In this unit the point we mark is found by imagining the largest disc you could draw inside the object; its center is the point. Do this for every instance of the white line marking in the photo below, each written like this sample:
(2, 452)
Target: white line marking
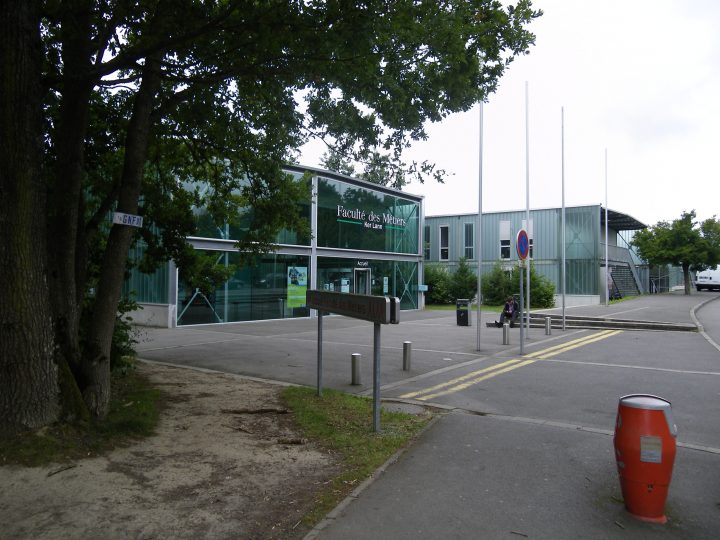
(625, 366)
(621, 312)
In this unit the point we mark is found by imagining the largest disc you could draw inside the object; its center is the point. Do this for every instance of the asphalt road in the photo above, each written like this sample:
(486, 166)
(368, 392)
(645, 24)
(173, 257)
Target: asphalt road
(527, 449)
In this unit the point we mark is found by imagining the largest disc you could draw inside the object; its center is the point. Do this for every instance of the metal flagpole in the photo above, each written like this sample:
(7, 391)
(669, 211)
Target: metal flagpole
(562, 235)
(607, 269)
(527, 197)
(479, 227)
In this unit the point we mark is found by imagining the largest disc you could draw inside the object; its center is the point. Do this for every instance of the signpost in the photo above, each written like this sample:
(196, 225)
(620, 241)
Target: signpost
(522, 244)
(376, 309)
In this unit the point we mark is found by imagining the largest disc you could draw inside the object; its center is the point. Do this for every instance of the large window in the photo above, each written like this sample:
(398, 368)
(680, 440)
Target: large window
(505, 240)
(273, 288)
(444, 243)
(354, 217)
(246, 220)
(469, 240)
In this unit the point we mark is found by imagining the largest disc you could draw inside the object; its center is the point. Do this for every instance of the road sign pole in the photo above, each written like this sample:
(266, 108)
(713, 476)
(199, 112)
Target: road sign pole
(522, 310)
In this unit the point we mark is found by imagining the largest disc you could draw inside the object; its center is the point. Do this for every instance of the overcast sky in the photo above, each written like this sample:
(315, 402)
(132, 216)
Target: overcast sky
(640, 78)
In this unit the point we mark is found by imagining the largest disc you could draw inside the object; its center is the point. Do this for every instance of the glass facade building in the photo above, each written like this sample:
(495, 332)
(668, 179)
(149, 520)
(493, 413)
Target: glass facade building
(364, 239)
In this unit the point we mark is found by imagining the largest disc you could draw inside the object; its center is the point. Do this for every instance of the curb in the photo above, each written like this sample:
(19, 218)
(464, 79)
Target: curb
(700, 327)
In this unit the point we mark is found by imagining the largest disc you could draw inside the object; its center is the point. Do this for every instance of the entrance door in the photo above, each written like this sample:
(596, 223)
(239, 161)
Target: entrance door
(362, 281)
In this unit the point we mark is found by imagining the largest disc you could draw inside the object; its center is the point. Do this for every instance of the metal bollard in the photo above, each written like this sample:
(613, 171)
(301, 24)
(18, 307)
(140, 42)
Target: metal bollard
(548, 328)
(506, 334)
(355, 365)
(407, 355)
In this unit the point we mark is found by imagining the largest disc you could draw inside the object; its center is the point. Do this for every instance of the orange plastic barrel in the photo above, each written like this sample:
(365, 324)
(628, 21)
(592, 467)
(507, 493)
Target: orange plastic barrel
(644, 440)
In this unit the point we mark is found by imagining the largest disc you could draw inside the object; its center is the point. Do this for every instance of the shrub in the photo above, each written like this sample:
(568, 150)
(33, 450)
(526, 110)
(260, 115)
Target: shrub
(499, 284)
(437, 279)
(463, 281)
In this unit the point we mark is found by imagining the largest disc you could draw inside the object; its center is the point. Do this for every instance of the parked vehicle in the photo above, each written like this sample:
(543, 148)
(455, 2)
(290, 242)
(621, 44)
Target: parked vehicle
(708, 279)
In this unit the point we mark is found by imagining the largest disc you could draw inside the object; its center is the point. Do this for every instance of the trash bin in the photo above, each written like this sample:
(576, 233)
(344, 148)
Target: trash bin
(644, 442)
(462, 310)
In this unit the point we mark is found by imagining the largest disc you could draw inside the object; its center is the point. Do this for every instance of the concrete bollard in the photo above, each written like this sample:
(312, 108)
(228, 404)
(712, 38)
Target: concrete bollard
(407, 355)
(506, 334)
(355, 367)
(548, 327)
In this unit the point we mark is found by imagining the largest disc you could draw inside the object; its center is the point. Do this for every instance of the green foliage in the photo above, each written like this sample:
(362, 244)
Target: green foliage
(437, 278)
(498, 284)
(463, 282)
(542, 290)
(683, 242)
(342, 424)
(124, 339)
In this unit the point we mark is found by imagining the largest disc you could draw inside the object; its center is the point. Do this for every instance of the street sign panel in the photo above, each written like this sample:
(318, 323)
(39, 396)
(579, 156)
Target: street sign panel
(522, 244)
(127, 219)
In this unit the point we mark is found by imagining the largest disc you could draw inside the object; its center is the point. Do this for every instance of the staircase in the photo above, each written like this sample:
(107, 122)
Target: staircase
(537, 320)
(624, 280)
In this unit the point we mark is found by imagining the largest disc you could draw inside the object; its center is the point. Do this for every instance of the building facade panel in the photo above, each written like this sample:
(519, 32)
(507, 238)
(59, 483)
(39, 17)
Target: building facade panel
(584, 244)
(365, 239)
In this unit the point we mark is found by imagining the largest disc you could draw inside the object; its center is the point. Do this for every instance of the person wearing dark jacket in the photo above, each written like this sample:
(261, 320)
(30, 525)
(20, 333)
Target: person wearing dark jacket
(510, 313)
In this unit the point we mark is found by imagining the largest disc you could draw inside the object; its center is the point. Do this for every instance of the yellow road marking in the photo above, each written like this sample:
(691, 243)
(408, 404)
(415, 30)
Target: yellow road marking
(469, 379)
(459, 379)
(467, 384)
(576, 345)
(566, 344)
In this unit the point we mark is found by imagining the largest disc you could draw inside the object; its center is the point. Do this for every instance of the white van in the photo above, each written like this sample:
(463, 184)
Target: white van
(708, 279)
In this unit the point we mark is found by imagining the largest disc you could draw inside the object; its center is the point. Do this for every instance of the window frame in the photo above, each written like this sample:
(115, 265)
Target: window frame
(469, 247)
(446, 248)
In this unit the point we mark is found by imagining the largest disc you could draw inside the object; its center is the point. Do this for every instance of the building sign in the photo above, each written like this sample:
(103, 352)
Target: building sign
(370, 219)
(376, 309)
(296, 286)
(362, 218)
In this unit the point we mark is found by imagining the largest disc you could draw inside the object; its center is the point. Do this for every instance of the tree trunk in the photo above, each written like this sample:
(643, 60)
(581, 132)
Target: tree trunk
(96, 362)
(28, 374)
(686, 277)
(65, 219)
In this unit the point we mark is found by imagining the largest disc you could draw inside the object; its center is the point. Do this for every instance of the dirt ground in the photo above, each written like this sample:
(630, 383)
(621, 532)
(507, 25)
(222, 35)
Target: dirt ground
(226, 462)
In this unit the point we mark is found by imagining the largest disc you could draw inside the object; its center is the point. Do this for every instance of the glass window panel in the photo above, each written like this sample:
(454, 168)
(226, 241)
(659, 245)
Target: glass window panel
(273, 288)
(354, 217)
(444, 243)
(469, 241)
(505, 249)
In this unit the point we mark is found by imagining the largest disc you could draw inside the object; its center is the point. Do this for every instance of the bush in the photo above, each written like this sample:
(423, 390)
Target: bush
(499, 284)
(437, 279)
(463, 282)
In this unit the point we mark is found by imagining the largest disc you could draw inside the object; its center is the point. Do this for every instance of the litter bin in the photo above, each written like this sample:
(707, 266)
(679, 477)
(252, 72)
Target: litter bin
(644, 441)
(462, 310)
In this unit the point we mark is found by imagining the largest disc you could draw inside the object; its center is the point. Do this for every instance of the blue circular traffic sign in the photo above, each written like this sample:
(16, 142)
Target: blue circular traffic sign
(523, 244)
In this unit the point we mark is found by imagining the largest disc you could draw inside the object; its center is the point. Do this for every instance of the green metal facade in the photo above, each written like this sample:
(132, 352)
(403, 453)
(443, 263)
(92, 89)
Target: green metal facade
(583, 235)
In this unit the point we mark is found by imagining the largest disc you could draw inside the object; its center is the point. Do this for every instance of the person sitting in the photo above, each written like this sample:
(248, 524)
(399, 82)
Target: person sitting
(510, 312)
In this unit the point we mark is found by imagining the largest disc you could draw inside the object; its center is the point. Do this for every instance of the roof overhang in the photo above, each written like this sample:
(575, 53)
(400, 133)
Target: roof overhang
(620, 222)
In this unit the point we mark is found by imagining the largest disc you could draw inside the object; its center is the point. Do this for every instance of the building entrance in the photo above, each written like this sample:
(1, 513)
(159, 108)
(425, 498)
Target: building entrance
(362, 281)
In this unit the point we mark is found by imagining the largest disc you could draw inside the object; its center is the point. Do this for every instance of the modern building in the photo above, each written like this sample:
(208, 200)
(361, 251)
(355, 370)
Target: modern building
(447, 238)
(365, 239)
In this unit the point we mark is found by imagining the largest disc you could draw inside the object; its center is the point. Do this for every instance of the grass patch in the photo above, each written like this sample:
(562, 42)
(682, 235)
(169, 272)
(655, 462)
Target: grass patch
(134, 411)
(342, 424)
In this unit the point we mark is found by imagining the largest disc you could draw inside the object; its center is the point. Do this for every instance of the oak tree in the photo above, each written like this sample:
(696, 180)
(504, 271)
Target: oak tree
(112, 105)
